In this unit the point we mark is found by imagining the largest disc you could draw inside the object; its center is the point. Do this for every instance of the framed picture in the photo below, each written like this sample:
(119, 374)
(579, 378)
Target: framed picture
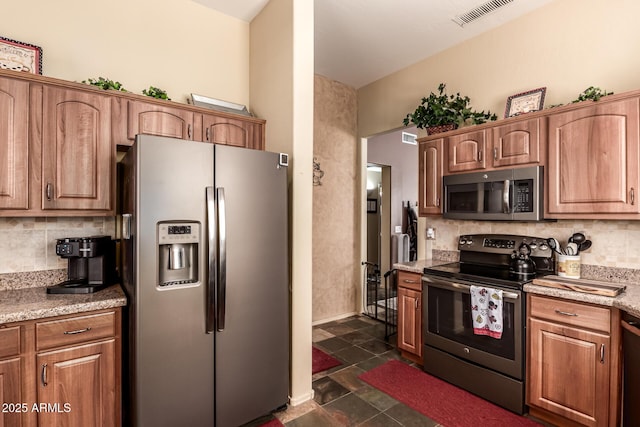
(525, 102)
(19, 56)
(372, 206)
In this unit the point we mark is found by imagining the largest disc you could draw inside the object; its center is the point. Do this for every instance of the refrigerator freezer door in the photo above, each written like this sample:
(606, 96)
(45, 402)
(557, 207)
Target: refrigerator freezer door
(252, 351)
(173, 367)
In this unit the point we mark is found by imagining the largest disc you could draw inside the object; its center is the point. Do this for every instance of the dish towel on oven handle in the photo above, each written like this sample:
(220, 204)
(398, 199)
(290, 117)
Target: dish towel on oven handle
(486, 310)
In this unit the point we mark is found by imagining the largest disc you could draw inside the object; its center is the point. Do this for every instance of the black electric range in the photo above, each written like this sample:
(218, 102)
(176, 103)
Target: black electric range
(486, 259)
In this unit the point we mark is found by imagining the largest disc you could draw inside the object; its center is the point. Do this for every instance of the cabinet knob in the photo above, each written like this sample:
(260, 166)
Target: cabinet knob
(189, 132)
(49, 191)
(208, 134)
(495, 153)
(479, 155)
(632, 193)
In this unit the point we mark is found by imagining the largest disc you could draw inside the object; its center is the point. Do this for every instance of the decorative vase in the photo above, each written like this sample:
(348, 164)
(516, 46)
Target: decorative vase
(441, 128)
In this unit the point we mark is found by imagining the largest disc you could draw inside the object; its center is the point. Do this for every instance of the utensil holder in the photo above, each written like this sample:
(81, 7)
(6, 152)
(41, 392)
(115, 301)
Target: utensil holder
(568, 266)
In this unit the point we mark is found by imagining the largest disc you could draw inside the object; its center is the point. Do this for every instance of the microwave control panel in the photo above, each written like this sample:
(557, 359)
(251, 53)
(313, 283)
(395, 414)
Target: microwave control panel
(523, 200)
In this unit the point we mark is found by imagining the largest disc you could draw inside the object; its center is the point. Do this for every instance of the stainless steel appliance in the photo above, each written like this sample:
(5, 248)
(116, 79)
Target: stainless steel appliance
(500, 195)
(205, 266)
(489, 367)
(90, 264)
(631, 376)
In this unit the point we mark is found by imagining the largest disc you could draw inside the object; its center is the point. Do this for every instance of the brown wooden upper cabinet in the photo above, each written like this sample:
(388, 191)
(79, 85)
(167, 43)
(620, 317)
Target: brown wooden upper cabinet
(152, 119)
(515, 143)
(430, 177)
(594, 160)
(518, 143)
(78, 158)
(467, 151)
(14, 148)
(228, 131)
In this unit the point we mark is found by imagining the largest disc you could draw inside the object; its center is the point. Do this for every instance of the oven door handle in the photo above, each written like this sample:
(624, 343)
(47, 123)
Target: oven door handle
(454, 286)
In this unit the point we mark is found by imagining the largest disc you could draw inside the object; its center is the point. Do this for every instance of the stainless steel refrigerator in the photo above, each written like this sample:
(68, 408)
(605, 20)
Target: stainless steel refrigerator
(205, 268)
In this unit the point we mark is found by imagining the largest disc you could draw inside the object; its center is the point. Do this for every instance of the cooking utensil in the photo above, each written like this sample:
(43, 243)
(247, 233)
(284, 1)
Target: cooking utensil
(585, 245)
(577, 238)
(572, 249)
(554, 245)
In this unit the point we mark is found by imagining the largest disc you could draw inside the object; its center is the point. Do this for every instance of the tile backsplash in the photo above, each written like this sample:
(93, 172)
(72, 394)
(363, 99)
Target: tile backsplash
(615, 243)
(29, 244)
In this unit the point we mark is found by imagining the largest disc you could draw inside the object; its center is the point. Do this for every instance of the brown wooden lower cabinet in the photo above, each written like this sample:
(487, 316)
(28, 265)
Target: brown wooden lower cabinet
(65, 371)
(410, 315)
(573, 367)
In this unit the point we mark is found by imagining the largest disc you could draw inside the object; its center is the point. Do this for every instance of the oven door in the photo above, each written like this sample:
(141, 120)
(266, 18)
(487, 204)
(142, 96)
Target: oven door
(448, 326)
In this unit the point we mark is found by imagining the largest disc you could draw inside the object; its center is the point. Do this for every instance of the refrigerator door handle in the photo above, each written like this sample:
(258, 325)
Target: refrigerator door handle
(212, 271)
(222, 260)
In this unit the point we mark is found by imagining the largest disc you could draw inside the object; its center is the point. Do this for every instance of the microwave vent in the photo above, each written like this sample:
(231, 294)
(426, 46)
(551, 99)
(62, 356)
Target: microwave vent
(479, 11)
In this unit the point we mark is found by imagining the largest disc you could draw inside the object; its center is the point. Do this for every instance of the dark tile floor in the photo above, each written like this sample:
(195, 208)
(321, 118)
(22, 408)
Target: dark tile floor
(341, 399)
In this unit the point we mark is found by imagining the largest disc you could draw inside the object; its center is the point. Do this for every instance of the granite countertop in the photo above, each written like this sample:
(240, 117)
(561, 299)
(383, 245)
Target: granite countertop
(23, 296)
(628, 301)
(419, 265)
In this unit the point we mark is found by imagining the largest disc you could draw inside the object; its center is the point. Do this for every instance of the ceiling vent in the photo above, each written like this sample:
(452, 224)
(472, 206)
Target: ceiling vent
(480, 11)
(409, 138)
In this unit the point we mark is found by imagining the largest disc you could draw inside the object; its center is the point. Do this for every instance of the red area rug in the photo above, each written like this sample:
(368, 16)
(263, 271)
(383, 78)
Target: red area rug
(439, 400)
(272, 423)
(322, 361)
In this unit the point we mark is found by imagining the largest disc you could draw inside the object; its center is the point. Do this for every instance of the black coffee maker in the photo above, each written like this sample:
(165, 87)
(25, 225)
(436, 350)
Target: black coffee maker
(91, 264)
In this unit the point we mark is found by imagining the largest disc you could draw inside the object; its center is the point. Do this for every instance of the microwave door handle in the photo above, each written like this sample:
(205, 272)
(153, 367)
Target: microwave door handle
(506, 202)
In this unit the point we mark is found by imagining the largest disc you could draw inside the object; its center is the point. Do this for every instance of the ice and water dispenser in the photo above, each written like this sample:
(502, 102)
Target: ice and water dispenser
(178, 250)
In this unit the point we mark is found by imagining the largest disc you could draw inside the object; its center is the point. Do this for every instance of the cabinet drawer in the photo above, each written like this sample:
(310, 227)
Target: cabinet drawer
(410, 280)
(62, 332)
(571, 313)
(9, 341)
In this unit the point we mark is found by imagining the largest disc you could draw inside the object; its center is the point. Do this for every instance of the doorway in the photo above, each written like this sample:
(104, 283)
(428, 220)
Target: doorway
(378, 238)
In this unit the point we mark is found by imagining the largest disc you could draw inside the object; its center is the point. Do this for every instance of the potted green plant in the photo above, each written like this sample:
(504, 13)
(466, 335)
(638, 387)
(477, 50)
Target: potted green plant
(156, 92)
(441, 112)
(106, 84)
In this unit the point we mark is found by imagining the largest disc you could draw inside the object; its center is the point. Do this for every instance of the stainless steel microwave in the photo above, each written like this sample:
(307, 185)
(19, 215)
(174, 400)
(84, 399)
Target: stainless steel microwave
(500, 195)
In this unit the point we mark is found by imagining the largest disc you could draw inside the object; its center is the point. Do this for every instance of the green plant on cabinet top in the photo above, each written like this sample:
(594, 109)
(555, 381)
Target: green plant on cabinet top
(442, 109)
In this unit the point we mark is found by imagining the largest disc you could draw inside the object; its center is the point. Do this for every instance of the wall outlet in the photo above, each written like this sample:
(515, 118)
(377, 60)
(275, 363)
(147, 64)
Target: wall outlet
(398, 229)
(431, 233)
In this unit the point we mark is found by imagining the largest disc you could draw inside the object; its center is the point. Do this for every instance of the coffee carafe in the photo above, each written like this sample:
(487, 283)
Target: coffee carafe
(91, 264)
(521, 263)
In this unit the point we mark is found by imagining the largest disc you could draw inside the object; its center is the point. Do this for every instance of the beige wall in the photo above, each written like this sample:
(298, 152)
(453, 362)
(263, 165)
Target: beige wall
(336, 257)
(177, 45)
(282, 93)
(566, 46)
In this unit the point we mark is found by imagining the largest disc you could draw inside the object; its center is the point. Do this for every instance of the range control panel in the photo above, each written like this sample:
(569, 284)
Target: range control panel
(503, 244)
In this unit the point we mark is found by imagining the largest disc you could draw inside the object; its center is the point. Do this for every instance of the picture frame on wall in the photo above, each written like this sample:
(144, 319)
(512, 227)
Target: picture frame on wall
(20, 56)
(525, 102)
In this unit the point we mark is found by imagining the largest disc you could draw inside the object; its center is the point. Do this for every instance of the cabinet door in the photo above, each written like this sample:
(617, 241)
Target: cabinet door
(467, 151)
(593, 159)
(10, 393)
(78, 158)
(409, 320)
(569, 372)
(223, 130)
(152, 119)
(430, 177)
(81, 384)
(14, 149)
(516, 143)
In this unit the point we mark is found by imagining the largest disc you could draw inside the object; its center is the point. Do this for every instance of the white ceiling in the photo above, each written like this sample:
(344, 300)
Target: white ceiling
(360, 41)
